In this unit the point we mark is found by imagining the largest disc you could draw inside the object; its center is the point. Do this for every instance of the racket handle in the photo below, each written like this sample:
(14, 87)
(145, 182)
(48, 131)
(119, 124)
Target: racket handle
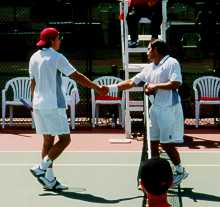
(26, 104)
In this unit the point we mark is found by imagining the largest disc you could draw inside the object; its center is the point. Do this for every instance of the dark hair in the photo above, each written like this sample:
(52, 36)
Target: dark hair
(156, 175)
(48, 44)
(45, 46)
(161, 46)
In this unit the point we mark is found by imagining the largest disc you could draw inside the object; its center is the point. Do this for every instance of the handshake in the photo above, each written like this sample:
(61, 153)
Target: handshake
(103, 89)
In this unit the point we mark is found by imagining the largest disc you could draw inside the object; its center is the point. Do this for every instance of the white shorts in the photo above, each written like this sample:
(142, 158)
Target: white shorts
(167, 124)
(51, 121)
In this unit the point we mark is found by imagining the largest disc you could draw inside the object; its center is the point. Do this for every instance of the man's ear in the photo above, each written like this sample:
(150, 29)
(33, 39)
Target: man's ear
(142, 186)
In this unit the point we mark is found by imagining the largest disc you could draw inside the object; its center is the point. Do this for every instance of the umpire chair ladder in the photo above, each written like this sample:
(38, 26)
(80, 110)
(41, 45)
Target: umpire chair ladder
(129, 67)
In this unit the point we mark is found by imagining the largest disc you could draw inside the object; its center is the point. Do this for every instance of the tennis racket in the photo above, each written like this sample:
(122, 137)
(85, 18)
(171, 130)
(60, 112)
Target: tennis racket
(26, 104)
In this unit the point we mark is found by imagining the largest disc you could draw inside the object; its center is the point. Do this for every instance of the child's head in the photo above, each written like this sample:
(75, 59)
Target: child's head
(156, 176)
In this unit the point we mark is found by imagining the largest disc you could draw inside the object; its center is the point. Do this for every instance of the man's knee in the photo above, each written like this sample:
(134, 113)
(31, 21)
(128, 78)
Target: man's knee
(65, 139)
(48, 142)
(168, 147)
(47, 145)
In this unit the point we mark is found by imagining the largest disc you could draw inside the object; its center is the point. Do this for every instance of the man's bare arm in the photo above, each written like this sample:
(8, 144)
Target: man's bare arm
(86, 82)
(166, 86)
(33, 84)
(126, 84)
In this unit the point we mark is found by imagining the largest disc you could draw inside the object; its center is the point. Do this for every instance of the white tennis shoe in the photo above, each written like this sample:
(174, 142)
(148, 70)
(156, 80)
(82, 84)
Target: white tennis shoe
(36, 171)
(52, 185)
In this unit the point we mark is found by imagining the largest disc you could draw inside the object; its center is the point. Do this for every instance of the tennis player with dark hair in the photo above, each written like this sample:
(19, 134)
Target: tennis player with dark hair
(162, 78)
(156, 178)
(46, 67)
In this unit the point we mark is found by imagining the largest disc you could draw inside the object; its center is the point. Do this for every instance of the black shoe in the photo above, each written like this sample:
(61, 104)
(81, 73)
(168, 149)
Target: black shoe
(132, 44)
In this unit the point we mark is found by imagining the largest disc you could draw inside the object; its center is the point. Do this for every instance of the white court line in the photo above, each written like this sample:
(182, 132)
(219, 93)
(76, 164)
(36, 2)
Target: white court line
(71, 151)
(72, 164)
(97, 165)
(116, 151)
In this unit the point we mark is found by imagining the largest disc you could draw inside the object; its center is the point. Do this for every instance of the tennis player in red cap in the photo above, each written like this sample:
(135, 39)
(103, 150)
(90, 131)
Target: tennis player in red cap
(46, 67)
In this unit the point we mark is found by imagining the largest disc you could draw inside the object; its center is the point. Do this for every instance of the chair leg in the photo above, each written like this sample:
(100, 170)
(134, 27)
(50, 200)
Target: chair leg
(93, 114)
(3, 115)
(121, 116)
(197, 114)
(32, 124)
(72, 116)
(97, 114)
(11, 115)
(127, 124)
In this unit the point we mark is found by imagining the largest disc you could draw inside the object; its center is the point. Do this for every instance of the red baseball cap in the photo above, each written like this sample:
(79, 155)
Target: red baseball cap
(47, 34)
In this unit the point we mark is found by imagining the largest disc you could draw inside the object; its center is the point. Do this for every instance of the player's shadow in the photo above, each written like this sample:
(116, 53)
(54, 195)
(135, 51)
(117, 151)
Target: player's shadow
(195, 196)
(86, 197)
(196, 143)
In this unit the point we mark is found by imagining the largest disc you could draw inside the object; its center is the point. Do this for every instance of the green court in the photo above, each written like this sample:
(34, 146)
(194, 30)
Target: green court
(99, 177)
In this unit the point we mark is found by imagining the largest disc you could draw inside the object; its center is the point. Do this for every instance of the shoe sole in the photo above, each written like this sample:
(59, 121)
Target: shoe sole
(56, 190)
(43, 184)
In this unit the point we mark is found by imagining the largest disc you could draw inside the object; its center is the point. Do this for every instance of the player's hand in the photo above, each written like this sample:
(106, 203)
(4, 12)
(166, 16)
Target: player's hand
(150, 88)
(102, 90)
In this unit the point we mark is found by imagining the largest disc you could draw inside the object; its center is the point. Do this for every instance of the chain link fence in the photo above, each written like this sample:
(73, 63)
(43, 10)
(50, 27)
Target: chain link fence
(91, 43)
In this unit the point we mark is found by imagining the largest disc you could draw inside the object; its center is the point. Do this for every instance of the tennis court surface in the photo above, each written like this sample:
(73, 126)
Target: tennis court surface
(103, 174)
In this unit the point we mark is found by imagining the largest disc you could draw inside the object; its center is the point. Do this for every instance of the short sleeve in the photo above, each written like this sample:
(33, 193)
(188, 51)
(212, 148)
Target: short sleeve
(141, 77)
(64, 66)
(175, 73)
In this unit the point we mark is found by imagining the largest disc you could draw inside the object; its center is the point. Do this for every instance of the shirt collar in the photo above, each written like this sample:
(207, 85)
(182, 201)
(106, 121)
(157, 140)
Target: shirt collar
(49, 48)
(163, 59)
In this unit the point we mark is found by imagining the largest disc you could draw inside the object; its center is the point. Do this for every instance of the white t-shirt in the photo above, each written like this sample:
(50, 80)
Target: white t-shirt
(46, 67)
(167, 70)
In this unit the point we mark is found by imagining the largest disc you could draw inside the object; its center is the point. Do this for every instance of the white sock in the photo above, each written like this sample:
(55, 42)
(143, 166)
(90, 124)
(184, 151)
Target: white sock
(179, 168)
(50, 174)
(45, 163)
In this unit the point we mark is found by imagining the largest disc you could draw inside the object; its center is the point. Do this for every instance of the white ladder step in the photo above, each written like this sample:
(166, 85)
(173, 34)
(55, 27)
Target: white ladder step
(135, 103)
(144, 37)
(133, 67)
(135, 106)
(137, 50)
(135, 89)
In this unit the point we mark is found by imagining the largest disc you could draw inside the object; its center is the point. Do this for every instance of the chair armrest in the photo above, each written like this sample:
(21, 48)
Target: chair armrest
(123, 97)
